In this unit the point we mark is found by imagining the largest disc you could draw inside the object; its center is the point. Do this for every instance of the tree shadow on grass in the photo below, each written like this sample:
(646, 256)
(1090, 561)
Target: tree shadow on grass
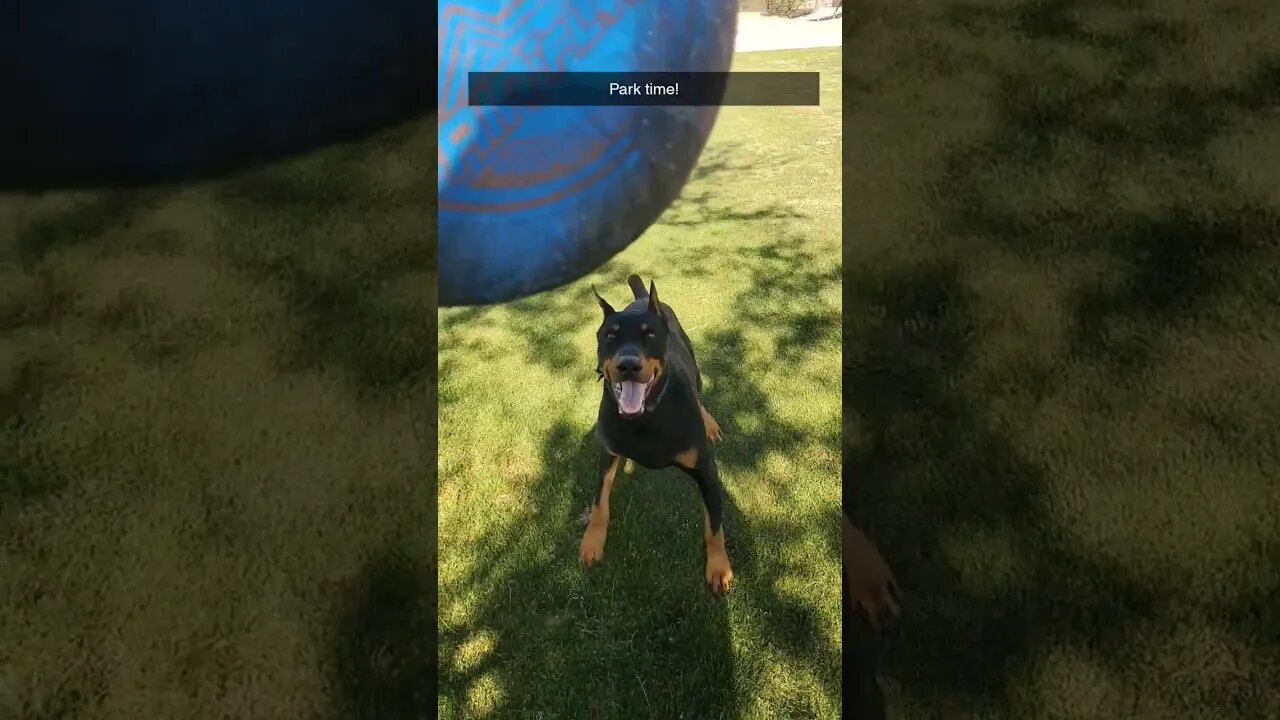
(697, 207)
(927, 474)
(783, 296)
(754, 431)
(384, 660)
(908, 417)
(24, 478)
(1111, 171)
(787, 282)
(102, 219)
(44, 227)
(354, 261)
(636, 636)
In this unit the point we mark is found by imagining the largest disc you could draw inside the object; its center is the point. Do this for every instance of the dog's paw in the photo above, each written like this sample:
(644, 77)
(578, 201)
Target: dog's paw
(719, 575)
(714, 435)
(592, 548)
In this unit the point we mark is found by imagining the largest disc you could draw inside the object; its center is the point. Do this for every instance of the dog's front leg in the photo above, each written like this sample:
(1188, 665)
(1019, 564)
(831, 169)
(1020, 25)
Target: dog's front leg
(598, 526)
(701, 466)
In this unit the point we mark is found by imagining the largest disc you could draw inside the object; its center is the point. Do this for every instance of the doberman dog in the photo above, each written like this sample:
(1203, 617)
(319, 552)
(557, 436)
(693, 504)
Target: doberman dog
(651, 413)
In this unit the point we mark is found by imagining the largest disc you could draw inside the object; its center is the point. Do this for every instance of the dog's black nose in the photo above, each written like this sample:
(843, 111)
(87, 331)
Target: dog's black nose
(629, 366)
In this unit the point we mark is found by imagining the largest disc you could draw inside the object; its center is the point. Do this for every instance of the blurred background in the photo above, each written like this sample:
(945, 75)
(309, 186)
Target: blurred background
(217, 443)
(1062, 277)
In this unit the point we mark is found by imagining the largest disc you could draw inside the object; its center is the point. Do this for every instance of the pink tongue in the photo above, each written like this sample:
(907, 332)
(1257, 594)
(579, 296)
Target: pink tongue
(632, 399)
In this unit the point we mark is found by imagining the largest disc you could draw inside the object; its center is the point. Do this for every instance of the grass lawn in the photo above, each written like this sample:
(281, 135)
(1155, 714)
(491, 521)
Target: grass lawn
(749, 258)
(1063, 280)
(216, 450)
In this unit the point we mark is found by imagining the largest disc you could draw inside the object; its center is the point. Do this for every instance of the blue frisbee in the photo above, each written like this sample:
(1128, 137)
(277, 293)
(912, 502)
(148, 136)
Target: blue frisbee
(534, 197)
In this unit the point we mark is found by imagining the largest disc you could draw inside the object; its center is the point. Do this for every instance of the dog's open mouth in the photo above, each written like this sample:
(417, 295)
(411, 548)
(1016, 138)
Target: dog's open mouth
(631, 395)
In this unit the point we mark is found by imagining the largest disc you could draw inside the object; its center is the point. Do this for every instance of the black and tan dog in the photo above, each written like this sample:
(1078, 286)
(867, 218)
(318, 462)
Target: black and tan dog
(651, 413)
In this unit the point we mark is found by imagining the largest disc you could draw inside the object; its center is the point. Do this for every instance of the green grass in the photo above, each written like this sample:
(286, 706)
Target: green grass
(1063, 235)
(216, 450)
(749, 257)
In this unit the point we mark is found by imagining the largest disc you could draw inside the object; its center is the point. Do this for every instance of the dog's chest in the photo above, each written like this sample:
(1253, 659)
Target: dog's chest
(649, 445)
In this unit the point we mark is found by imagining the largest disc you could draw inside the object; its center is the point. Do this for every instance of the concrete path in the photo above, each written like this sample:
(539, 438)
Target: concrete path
(765, 32)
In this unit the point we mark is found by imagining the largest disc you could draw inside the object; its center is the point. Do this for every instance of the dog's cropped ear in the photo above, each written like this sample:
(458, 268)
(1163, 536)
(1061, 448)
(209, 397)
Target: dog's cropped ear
(655, 307)
(604, 304)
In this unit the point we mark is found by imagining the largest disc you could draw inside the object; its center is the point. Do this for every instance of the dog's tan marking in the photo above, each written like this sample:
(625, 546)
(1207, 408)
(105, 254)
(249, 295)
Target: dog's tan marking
(610, 367)
(652, 369)
(687, 459)
(712, 427)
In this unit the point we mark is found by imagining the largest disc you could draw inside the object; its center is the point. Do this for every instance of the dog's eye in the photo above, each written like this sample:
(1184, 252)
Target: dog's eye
(650, 334)
(610, 337)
